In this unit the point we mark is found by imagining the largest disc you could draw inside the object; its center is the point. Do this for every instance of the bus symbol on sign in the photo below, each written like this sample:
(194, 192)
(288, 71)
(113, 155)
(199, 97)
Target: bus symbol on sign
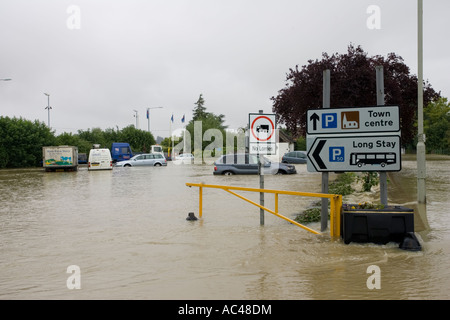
(381, 158)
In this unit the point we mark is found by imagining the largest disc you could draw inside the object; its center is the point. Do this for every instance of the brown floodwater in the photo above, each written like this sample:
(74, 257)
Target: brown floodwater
(127, 232)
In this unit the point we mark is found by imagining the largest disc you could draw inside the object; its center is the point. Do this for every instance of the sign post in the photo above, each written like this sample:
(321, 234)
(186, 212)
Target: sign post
(262, 140)
(325, 179)
(380, 102)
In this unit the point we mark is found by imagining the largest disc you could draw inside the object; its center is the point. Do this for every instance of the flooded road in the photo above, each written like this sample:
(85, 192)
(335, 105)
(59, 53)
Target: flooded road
(127, 232)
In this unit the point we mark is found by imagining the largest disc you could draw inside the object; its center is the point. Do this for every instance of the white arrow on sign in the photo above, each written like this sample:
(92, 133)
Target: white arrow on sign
(352, 154)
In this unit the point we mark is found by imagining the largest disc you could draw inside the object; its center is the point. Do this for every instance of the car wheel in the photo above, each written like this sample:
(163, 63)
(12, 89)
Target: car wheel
(228, 173)
(281, 172)
(127, 165)
(157, 164)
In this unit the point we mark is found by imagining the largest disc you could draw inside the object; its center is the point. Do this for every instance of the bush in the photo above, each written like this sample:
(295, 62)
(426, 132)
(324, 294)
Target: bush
(342, 185)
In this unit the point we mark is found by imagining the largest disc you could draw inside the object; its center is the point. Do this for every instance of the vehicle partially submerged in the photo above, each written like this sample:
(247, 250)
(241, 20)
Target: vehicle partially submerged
(245, 163)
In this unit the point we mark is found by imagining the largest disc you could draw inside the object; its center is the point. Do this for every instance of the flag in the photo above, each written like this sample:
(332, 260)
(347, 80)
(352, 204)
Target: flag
(182, 119)
(171, 119)
(148, 113)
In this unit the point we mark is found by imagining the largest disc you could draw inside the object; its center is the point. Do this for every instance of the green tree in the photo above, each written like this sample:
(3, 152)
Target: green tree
(69, 139)
(208, 121)
(353, 83)
(139, 140)
(199, 111)
(437, 126)
(21, 142)
(94, 136)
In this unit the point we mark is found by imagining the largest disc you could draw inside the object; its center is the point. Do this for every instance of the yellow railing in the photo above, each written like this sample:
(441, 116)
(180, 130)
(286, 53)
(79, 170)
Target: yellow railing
(335, 203)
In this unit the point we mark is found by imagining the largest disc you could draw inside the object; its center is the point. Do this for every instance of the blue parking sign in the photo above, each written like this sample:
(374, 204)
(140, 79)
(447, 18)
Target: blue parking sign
(336, 154)
(329, 120)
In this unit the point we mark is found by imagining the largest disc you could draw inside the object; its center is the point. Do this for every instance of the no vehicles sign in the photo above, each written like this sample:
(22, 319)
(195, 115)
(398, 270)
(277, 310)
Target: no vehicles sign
(262, 136)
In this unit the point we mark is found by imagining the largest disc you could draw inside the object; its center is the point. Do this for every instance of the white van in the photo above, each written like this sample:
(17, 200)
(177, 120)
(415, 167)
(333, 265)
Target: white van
(100, 159)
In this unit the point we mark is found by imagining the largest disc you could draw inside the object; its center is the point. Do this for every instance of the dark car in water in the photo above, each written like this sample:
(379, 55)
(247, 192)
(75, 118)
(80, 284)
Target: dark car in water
(294, 157)
(245, 163)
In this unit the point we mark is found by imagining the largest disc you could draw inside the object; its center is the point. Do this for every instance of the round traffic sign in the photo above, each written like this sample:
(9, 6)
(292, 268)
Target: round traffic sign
(266, 128)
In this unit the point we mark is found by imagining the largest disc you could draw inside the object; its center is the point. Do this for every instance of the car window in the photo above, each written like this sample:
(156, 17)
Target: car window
(158, 156)
(229, 159)
(253, 159)
(241, 159)
(140, 157)
(149, 156)
(301, 155)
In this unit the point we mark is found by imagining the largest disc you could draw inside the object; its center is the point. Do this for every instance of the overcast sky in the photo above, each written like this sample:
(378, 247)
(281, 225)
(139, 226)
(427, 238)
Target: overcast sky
(101, 59)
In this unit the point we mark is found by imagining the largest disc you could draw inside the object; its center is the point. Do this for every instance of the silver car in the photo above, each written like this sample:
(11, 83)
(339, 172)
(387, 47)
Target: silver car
(145, 159)
(248, 164)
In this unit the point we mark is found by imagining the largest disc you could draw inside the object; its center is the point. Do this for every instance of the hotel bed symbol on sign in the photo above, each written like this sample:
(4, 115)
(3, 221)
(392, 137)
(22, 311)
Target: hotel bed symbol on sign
(350, 120)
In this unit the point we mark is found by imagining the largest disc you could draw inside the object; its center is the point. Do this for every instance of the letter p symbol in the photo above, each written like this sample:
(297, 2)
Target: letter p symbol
(329, 120)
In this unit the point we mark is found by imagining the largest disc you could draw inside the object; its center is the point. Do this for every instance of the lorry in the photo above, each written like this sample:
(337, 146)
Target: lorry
(156, 148)
(121, 151)
(60, 158)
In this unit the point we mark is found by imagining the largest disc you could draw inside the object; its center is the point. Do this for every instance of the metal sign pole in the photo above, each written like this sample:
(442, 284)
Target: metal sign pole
(326, 105)
(380, 102)
(261, 184)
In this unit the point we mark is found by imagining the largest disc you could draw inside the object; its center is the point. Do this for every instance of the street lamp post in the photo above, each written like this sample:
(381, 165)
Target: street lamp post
(137, 118)
(421, 158)
(48, 108)
(148, 116)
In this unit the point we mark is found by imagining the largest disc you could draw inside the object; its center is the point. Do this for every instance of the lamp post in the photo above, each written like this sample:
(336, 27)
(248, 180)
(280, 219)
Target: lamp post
(137, 118)
(148, 116)
(48, 108)
(421, 159)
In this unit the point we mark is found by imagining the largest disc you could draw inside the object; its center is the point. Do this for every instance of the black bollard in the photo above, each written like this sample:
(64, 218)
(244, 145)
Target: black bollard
(410, 242)
(191, 217)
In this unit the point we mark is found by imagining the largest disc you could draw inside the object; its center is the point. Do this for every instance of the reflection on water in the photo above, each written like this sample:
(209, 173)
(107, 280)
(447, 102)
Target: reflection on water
(127, 231)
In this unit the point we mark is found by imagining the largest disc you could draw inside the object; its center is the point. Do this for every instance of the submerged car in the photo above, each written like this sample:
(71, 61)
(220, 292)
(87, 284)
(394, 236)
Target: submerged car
(245, 163)
(184, 158)
(295, 157)
(145, 159)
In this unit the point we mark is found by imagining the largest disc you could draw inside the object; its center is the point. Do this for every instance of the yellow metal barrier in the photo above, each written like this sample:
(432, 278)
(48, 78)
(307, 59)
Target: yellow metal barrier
(335, 203)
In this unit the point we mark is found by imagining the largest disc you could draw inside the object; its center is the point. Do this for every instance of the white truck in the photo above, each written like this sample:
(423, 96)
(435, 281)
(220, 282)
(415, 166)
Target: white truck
(60, 158)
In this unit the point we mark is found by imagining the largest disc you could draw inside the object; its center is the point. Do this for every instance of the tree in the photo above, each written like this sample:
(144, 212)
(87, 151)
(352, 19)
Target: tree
(21, 142)
(437, 126)
(353, 83)
(208, 120)
(139, 140)
(70, 139)
(199, 111)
